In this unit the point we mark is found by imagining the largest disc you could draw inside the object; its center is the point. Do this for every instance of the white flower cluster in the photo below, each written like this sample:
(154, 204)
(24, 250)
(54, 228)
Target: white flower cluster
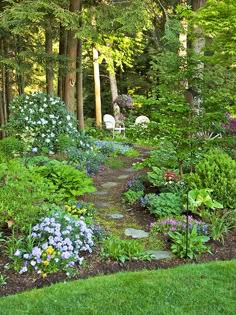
(45, 115)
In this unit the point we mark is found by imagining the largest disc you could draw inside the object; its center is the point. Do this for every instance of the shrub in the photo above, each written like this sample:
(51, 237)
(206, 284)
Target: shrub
(41, 116)
(217, 171)
(163, 204)
(11, 147)
(163, 156)
(25, 195)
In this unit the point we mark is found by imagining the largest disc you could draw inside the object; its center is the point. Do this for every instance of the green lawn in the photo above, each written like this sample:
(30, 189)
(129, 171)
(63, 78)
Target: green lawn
(190, 289)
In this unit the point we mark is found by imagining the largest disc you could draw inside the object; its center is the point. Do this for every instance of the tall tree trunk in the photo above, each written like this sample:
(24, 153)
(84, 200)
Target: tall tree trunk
(70, 78)
(3, 102)
(198, 45)
(61, 63)
(183, 45)
(8, 76)
(49, 63)
(98, 105)
(20, 82)
(113, 85)
(114, 94)
(80, 105)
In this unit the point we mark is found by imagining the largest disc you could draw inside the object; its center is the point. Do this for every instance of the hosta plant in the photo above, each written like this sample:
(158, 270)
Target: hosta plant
(68, 181)
(162, 204)
(200, 198)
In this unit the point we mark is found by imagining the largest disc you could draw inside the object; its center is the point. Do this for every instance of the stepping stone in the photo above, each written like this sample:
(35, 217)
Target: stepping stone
(116, 216)
(122, 176)
(103, 204)
(129, 169)
(100, 193)
(160, 254)
(134, 233)
(109, 185)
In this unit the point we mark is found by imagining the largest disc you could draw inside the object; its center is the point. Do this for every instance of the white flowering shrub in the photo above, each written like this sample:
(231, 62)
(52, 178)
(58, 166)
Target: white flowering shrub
(41, 117)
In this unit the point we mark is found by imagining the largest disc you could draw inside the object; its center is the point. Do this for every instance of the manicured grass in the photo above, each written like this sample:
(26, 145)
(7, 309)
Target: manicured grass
(190, 289)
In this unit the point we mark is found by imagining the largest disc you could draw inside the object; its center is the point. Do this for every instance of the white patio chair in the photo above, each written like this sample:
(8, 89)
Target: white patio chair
(142, 120)
(113, 125)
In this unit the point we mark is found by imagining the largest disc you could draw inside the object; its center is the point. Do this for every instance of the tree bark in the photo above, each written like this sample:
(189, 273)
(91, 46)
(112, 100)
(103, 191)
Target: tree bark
(20, 82)
(70, 78)
(114, 94)
(49, 51)
(80, 105)
(198, 45)
(98, 106)
(61, 63)
(3, 102)
(183, 45)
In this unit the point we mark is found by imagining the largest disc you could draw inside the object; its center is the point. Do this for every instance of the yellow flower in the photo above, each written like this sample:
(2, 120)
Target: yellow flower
(46, 262)
(49, 250)
(44, 275)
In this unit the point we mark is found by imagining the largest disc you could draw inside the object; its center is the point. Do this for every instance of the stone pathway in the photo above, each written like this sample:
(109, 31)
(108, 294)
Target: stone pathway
(118, 218)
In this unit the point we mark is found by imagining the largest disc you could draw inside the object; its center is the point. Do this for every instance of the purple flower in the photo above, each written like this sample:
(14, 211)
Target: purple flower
(65, 255)
(23, 269)
(36, 251)
(70, 264)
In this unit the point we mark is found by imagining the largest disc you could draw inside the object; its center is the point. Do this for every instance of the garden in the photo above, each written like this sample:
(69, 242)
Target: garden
(117, 157)
(68, 199)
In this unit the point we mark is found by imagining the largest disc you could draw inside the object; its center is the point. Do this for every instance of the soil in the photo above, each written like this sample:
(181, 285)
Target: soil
(95, 264)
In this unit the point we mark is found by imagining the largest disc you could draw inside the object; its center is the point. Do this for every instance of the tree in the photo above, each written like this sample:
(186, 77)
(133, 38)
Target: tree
(70, 78)
(218, 20)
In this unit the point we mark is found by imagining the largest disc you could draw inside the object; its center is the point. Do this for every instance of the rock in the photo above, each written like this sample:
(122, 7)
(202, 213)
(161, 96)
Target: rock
(100, 193)
(134, 233)
(103, 204)
(129, 169)
(159, 254)
(122, 176)
(116, 216)
(109, 185)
